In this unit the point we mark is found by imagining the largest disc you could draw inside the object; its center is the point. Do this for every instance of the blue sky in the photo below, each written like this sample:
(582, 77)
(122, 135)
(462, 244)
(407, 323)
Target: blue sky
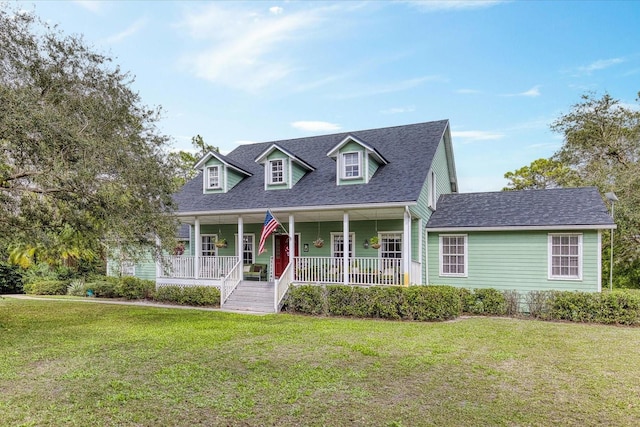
(238, 72)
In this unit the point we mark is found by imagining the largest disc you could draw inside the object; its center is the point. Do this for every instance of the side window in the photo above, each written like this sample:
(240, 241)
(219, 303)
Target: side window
(213, 177)
(276, 171)
(351, 165)
(453, 255)
(565, 256)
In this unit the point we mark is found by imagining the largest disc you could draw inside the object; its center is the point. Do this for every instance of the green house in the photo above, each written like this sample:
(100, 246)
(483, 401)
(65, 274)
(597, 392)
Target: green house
(366, 208)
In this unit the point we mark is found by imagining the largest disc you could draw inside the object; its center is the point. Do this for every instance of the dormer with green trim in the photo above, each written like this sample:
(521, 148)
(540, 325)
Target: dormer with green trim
(282, 169)
(356, 161)
(219, 174)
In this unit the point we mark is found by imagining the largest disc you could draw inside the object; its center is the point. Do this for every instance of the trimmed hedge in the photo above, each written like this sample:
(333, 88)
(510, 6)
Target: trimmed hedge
(134, 288)
(618, 307)
(489, 301)
(188, 295)
(46, 287)
(383, 302)
(434, 303)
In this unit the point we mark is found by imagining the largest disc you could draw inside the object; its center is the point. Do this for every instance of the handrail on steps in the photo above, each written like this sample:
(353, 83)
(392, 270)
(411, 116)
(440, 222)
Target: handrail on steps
(282, 286)
(225, 291)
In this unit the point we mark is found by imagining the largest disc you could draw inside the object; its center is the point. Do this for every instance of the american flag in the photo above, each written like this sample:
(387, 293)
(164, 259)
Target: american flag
(270, 225)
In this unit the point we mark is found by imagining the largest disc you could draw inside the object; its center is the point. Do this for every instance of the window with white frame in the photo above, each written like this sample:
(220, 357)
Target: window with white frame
(453, 255)
(565, 256)
(432, 190)
(127, 268)
(213, 177)
(209, 244)
(248, 249)
(351, 165)
(391, 245)
(337, 244)
(276, 171)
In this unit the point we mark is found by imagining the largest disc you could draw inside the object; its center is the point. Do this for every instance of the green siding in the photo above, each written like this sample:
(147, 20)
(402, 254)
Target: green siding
(515, 260)
(308, 232)
(145, 266)
(422, 209)
(297, 173)
(373, 166)
(233, 178)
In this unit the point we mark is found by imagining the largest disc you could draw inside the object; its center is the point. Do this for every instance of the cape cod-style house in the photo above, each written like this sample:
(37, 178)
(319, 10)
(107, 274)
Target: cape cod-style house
(374, 207)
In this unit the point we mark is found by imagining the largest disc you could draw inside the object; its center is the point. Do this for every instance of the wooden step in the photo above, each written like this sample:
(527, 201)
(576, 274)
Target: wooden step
(251, 296)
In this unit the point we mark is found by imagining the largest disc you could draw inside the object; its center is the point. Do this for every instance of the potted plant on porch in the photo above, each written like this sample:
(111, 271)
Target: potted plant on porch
(375, 242)
(318, 243)
(221, 243)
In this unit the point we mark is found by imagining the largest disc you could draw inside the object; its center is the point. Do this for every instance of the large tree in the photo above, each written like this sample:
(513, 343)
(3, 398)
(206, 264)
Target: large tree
(540, 174)
(82, 163)
(183, 161)
(601, 148)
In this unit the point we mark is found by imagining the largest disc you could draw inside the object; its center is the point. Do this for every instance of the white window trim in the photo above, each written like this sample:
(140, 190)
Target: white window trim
(352, 237)
(380, 233)
(269, 171)
(127, 269)
(466, 256)
(214, 238)
(432, 190)
(550, 275)
(253, 248)
(343, 167)
(208, 180)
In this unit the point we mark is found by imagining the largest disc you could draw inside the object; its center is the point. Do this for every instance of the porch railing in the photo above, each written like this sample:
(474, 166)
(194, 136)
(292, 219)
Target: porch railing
(210, 267)
(362, 270)
(282, 286)
(229, 282)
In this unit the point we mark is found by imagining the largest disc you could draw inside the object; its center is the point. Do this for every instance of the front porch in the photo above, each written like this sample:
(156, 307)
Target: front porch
(211, 270)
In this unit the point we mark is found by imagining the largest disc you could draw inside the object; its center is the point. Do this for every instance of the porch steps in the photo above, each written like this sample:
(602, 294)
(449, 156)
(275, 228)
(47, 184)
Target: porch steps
(251, 296)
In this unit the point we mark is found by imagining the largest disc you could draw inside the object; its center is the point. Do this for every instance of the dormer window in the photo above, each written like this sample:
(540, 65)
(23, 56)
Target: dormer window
(351, 165)
(213, 177)
(276, 171)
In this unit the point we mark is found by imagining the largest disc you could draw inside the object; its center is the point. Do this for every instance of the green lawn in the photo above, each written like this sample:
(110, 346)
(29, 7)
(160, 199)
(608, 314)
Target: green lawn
(71, 363)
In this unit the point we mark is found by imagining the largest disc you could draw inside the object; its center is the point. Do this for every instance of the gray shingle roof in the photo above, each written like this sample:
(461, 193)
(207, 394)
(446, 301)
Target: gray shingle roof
(409, 150)
(530, 208)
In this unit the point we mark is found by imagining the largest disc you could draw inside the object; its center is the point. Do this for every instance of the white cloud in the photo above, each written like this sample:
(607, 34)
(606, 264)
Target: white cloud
(435, 5)
(276, 10)
(469, 136)
(534, 92)
(128, 32)
(399, 110)
(90, 5)
(316, 126)
(246, 49)
(476, 184)
(600, 64)
(391, 87)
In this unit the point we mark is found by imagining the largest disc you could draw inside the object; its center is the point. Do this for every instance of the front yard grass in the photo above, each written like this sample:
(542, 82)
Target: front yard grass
(71, 363)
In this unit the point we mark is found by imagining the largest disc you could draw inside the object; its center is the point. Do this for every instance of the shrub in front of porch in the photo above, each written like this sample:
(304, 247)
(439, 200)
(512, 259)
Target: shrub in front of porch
(383, 302)
(188, 295)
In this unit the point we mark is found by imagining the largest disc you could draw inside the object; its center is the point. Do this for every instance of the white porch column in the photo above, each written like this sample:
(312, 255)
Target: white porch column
(345, 247)
(198, 248)
(292, 243)
(240, 244)
(406, 247)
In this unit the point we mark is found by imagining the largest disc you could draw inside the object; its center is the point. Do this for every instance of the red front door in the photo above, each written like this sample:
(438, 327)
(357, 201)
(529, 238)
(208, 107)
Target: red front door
(281, 253)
